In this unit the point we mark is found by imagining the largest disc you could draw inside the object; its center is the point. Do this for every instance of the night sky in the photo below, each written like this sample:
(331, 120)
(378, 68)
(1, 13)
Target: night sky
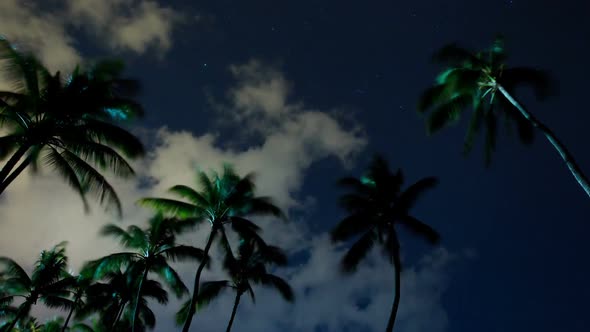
(516, 232)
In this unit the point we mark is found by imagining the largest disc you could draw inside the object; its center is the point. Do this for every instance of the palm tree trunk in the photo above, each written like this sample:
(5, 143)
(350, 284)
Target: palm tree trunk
(233, 313)
(135, 311)
(8, 180)
(18, 316)
(193, 303)
(13, 161)
(561, 149)
(397, 266)
(63, 329)
(118, 317)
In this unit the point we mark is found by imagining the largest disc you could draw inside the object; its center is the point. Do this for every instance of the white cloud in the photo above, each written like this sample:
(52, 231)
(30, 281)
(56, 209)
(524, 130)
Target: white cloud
(36, 213)
(45, 34)
(128, 25)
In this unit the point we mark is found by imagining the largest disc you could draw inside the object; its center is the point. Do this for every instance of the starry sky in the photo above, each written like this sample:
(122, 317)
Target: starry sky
(303, 92)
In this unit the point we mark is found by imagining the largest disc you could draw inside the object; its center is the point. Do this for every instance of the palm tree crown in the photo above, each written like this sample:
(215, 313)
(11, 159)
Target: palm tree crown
(50, 282)
(68, 124)
(473, 80)
(482, 81)
(375, 206)
(250, 266)
(225, 198)
(153, 247)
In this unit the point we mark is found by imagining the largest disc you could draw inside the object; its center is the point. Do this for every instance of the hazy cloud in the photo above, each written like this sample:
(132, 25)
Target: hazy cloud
(128, 25)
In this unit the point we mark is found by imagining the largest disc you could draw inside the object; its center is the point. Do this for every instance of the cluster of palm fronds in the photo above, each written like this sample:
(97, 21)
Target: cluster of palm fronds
(73, 124)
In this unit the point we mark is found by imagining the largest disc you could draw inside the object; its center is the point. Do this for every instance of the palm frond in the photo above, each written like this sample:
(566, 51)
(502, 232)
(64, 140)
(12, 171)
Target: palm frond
(56, 160)
(171, 207)
(189, 193)
(357, 252)
(409, 197)
(447, 113)
(351, 225)
(421, 229)
(280, 285)
(172, 279)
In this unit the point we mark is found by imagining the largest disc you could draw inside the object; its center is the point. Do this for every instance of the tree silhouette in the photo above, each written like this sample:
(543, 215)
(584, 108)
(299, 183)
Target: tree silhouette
(375, 205)
(483, 82)
(153, 248)
(67, 124)
(225, 198)
(249, 267)
(111, 299)
(50, 282)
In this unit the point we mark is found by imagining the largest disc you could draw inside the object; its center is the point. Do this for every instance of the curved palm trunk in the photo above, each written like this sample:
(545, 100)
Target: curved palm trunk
(8, 180)
(13, 161)
(135, 311)
(18, 316)
(63, 329)
(193, 303)
(561, 149)
(397, 266)
(233, 313)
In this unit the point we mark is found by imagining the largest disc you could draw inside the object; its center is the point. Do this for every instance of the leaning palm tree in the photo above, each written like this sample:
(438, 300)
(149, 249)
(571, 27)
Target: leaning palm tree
(152, 248)
(50, 282)
(68, 124)
(224, 198)
(249, 267)
(376, 205)
(481, 81)
(112, 301)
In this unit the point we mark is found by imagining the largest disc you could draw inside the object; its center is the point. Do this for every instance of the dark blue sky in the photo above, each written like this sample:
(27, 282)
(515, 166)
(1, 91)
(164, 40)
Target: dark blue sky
(525, 217)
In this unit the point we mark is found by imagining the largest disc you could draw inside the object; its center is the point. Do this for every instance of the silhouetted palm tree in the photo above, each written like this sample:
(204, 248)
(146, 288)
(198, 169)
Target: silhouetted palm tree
(481, 81)
(111, 299)
(153, 247)
(224, 199)
(250, 266)
(50, 282)
(68, 124)
(376, 205)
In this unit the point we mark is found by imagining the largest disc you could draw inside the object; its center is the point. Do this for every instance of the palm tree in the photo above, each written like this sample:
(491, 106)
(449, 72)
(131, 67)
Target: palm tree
(50, 282)
(68, 124)
(111, 299)
(152, 248)
(249, 267)
(78, 291)
(475, 80)
(225, 198)
(375, 206)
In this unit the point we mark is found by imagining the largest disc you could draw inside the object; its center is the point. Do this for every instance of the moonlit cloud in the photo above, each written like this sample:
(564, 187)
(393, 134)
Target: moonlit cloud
(124, 25)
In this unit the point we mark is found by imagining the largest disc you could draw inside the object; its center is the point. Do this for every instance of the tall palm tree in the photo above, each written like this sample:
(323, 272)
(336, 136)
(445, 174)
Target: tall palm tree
(68, 124)
(111, 299)
(152, 248)
(375, 205)
(482, 81)
(224, 198)
(50, 282)
(249, 267)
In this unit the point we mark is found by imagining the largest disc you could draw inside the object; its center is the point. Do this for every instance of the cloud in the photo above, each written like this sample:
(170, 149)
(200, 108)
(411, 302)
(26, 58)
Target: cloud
(125, 25)
(45, 34)
(38, 212)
